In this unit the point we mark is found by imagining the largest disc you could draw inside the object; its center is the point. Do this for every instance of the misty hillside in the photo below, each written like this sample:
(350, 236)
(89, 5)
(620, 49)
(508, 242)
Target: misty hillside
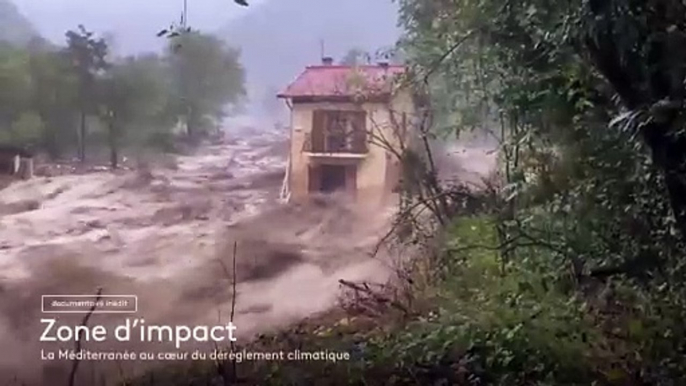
(14, 27)
(279, 38)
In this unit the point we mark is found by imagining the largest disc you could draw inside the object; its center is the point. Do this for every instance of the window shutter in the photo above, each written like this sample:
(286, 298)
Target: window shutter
(360, 132)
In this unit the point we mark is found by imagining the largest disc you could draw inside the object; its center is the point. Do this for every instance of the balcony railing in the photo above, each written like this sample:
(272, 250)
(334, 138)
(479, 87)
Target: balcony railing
(336, 145)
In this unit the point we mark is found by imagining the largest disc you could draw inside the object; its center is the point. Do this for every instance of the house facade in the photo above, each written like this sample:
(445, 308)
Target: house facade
(348, 126)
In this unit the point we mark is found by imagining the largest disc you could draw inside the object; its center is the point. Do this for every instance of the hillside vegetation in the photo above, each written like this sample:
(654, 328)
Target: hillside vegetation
(14, 27)
(78, 99)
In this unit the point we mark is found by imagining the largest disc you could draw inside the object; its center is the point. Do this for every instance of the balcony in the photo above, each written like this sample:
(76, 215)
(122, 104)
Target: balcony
(336, 146)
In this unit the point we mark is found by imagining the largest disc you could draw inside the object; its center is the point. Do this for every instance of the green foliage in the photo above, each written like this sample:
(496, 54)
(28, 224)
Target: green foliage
(208, 78)
(132, 94)
(88, 56)
(27, 129)
(60, 99)
(493, 328)
(15, 84)
(54, 98)
(134, 89)
(586, 202)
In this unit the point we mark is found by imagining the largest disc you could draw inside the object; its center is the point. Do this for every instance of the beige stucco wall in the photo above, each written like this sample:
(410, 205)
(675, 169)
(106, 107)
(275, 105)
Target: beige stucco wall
(371, 174)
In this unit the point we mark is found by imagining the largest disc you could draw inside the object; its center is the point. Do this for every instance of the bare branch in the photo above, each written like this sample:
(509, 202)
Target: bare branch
(233, 312)
(231, 276)
(364, 288)
(436, 63)
(84, 322)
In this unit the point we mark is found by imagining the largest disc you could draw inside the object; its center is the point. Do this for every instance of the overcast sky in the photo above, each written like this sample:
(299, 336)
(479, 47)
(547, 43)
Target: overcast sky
(135, 21)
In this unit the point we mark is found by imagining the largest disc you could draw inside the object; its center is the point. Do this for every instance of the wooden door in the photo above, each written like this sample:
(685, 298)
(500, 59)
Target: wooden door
(317, 134)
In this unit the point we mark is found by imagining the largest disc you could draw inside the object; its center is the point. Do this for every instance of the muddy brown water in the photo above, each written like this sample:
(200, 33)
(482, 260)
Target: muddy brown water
(166, 233)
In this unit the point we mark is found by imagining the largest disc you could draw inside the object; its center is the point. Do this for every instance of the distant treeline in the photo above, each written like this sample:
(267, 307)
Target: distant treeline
(79, 99)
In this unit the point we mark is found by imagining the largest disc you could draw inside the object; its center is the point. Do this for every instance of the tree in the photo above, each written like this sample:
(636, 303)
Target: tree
(646, 69)
(132, 92)
(88, 56)
(209, 79)
(15, 84)
(552, 76)
(355, 56)
(54, 97)
(27, 129)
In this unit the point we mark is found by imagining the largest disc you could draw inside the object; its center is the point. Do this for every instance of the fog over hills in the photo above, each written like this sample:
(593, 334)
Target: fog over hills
(14, 27)
(280, 37)
(132, 23)
(277, 37)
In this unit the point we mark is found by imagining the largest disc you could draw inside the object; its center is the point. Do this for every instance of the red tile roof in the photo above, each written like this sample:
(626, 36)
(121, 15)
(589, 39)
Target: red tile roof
(342, 81)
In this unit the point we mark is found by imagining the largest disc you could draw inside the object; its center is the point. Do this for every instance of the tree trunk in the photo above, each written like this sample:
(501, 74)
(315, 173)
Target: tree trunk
(26, 168)
(114, 146)
(82, 138)
(669, 155)
(192, 125)
(50, 143)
